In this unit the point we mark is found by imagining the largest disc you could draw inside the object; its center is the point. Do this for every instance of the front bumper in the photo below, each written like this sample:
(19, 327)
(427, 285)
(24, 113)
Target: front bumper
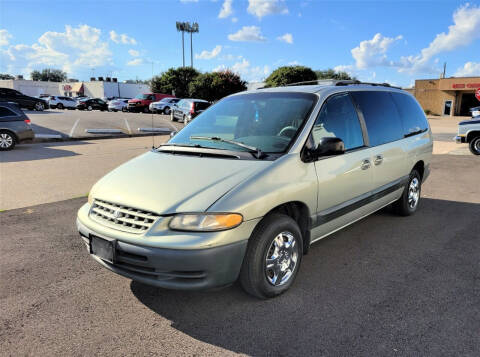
(460, 139)
(181, 269)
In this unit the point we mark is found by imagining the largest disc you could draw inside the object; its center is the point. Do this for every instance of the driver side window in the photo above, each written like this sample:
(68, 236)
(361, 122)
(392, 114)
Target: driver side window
(338, 118)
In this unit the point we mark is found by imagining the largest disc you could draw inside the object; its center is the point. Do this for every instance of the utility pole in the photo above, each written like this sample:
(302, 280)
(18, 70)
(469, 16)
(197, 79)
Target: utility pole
(192, 29)
(186, 27)
(181, 27)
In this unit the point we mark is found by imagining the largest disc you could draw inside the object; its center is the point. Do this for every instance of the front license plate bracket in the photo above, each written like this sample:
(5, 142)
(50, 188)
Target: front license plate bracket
(103, 248)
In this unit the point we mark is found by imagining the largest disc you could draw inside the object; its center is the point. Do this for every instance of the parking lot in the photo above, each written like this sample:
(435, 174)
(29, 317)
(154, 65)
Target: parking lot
(76, 124)
(386, 285)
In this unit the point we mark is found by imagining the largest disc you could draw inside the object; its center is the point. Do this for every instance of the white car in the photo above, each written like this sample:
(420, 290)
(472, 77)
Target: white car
(163, 106)
(118, 105)
(62, 102)
(475, 112)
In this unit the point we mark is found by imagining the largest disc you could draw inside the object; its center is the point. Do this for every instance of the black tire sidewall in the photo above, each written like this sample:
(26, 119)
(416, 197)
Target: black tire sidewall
(472, 144)
(253, 277)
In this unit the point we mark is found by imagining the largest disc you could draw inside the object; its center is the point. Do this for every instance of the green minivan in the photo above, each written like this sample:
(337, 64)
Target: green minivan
(243, 191)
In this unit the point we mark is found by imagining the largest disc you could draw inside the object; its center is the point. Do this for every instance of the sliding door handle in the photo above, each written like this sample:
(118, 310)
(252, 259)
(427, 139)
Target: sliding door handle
(378, 160)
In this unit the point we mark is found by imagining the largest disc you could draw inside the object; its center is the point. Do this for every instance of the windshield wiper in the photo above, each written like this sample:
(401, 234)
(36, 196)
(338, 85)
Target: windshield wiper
(257, 153)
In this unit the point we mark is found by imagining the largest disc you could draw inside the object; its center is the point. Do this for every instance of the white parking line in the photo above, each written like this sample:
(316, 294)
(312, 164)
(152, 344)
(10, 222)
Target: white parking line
(128, 126)
(74, 127)
(104, 131)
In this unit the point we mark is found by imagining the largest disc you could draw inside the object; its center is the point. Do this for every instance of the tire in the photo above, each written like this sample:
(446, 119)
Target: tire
(145, 109)
(40, 107)
(7, 140)
(59, 106)
(474, 146)
(166, 110)
(256, 277)
(407, 205)
(124, 110)
(89, 108)
(172, 117)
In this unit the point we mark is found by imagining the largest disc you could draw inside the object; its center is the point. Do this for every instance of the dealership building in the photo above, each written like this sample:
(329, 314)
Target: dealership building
(94, 88)
(447, 96)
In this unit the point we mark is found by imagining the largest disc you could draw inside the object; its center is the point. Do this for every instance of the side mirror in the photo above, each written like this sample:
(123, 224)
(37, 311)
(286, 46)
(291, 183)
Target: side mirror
(173, 133)
(327, 146)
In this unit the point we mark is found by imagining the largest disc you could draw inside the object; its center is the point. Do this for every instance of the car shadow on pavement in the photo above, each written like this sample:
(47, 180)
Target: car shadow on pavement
(40, 151)
(384, 285)
(48, 111)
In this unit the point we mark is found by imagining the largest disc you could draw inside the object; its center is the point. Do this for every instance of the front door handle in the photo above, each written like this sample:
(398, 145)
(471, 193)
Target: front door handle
(366, 164)
(378, 160)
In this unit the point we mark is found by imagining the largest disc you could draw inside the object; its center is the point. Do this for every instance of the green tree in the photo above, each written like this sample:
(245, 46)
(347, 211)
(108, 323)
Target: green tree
(49, 75)
(290, 74)
(174, 79)
(6, 76)
(216, 85)
(332, 74)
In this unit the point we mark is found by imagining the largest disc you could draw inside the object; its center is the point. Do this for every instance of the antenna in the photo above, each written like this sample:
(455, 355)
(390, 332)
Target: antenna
(153, 135)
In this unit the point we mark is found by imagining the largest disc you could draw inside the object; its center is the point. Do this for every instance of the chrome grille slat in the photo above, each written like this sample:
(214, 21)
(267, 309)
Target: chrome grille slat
(121, 217)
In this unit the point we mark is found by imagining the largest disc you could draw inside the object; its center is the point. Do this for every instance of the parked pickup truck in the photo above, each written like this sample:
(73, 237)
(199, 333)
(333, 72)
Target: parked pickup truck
(141, 102)
(469, 132)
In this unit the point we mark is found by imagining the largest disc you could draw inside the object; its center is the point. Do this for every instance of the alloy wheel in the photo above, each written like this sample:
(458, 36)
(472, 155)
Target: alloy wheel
(281, 259)
(6, 140)
(413, 192)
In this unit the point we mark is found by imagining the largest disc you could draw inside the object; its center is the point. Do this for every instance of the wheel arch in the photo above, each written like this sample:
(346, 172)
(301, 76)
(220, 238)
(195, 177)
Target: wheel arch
(472, 134)
(420, 167)
(300, 213)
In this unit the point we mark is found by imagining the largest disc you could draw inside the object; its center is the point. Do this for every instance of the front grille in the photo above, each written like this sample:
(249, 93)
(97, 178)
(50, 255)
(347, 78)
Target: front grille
(121, 217)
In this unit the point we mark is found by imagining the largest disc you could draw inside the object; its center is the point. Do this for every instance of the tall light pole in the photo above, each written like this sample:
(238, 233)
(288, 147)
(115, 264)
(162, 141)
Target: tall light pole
(186, 27)
(181, 27)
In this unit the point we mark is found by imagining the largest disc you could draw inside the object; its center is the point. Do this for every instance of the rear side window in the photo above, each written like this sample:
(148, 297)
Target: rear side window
(5, 112)
(381, 116)
(338, 118)
(411, 113)
(201, 105)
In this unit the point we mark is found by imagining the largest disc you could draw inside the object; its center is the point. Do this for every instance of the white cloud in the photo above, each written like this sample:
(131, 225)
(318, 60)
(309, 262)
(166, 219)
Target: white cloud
(247, 34)
(226, 9)
(371, 53)
(134, 53)
(234, 20)
(122, 38)
(470, 69)
(294, 63)
(465, 30)
(4, 37)
(288, 38)
(206, 55)
(77, 47)
(246, 71)
(135, 62)
(261, 8)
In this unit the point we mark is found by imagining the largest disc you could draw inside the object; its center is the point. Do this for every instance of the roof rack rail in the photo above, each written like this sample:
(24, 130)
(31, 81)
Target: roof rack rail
(337, 82)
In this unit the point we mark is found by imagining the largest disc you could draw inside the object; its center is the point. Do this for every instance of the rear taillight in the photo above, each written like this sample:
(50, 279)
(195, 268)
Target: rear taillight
(28, 121)
(192, 108)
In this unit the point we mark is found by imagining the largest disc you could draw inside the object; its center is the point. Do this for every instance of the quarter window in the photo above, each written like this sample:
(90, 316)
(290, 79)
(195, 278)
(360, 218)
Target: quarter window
(381, 116)
(338, 118)
(5, 112)
(411, 113)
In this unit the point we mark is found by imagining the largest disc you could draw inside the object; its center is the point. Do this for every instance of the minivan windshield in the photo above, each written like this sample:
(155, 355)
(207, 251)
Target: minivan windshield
(268, 121)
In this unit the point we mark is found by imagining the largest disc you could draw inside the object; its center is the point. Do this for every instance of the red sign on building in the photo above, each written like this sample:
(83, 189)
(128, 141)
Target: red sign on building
(458, 85)
(477, 94)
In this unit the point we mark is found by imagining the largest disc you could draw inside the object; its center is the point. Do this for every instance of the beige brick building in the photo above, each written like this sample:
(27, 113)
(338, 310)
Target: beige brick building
(447, 96)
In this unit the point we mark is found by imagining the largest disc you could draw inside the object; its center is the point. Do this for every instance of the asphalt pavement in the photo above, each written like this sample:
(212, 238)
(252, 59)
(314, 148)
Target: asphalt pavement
(386, 285)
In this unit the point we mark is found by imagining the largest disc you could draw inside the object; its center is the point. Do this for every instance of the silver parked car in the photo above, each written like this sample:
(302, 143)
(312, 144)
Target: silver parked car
(163, 106)
(187, 109)
(245, 189)
(61, 102)
(116, 105)
(14, 126)
(469, 133)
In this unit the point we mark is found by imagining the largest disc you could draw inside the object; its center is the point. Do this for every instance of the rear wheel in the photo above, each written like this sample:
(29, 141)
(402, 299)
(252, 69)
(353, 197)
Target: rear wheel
(408, 203)
(273, 257)
(145, 109)
(59, 106)
(166, 111)
(475, 146)
(89, 108)
(7, 141)
(39, 106)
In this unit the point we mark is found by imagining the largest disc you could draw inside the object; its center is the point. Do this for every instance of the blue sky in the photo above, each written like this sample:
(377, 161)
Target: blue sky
(392, 41)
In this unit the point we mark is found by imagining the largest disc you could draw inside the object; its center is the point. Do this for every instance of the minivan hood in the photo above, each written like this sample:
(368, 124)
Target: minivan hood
(164, 183)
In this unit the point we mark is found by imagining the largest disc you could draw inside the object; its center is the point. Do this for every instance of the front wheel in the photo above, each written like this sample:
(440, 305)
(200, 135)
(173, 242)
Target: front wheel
(7, 141)
(408, 203)
(273, 257)
(39, 106)
(475, 146)
(89, 108)
(145, 110)
(59, 106)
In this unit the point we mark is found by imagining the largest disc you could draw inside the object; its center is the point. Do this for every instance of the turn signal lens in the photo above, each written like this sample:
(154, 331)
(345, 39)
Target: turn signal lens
(205, 222)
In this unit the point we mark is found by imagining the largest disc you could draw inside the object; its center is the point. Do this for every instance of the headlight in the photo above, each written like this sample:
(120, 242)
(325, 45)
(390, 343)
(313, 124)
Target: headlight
(207, 222)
